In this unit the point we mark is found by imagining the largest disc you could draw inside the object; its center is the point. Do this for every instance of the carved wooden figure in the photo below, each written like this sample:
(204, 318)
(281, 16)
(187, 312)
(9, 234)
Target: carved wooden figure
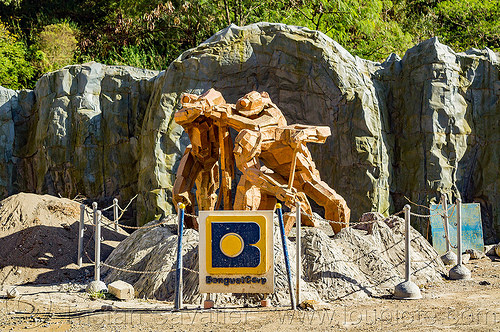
(288, 171)
(272, 156)
(200, 162)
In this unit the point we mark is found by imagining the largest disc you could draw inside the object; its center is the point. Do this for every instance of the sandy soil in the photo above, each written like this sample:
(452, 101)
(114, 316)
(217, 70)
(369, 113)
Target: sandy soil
(472, 305)
(39, 239)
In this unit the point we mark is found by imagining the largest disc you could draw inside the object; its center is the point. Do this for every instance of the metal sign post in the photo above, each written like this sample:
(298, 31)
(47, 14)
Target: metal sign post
(81, 231)
(459, 271)
(178, 273)
(449, 258)
(97, 257)
(115, 213)
(298, 269)
(285, 253)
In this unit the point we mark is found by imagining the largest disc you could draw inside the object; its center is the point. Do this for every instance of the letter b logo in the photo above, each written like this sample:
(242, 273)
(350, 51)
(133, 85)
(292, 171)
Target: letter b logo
(235, 245)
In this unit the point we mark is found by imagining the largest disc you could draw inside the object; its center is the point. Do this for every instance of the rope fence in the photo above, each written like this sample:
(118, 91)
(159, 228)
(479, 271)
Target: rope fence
(121, 269)
(412, 291)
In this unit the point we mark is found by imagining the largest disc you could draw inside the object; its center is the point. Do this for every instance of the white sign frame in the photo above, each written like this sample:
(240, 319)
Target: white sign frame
(259, 279)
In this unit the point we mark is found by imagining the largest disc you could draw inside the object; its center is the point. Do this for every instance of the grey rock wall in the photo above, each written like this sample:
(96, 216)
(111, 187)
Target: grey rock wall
(445, 113)
(76, 133)
(414, 127)
(309, 76)
(15, 132)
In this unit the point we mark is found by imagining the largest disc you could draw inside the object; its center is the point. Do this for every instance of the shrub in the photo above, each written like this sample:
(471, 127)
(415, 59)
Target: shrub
(56, 45)
(15, 71)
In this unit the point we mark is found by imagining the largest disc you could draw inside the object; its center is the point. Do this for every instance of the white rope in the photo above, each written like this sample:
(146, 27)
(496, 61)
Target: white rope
(168, 219)
(126, 207)
(136, 271)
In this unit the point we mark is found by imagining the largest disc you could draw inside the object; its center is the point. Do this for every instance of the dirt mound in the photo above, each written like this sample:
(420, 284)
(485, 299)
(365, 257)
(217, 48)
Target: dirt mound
(38, 239)
(353, 263)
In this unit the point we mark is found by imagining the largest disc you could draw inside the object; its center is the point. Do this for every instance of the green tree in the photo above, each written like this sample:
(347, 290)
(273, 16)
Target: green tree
(56, 46)
(15, 71)
(469, 23)
(364, 28)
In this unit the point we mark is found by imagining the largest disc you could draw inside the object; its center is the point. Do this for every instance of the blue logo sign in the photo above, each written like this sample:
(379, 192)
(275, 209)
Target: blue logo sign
(235, 241)
(236, 245)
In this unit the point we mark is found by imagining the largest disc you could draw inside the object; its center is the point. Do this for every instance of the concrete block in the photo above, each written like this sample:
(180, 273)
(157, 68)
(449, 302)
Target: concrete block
(121, 289)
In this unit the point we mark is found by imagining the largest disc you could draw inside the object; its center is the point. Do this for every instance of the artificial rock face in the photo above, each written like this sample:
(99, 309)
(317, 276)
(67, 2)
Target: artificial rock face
(419, 126)
(76, 133)
(312, 79)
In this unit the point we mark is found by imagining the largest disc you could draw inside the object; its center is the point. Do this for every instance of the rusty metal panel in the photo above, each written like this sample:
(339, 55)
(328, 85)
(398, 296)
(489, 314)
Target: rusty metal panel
(472, 229)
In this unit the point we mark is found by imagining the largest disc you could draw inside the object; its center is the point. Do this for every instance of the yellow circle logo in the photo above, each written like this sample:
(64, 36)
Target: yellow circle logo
(231, 244)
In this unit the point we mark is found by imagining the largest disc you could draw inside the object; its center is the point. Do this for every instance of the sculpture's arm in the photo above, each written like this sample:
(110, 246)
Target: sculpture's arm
(188, 114)
(246, 151)
(186, 174)
(193, 105)
(270, 185)
(225, 115)
(296, 134)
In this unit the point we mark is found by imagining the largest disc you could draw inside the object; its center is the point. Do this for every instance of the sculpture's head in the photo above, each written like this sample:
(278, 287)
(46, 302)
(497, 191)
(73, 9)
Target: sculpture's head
(194, 106)
(252, 103)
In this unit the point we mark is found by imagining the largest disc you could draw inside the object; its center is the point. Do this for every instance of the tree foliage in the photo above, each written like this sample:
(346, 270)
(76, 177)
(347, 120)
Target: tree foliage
(151, 33)
(56, 46)
(15, 70)
(469, 23)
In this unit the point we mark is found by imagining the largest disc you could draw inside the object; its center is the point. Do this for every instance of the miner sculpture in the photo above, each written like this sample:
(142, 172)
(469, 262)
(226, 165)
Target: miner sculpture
(272, 156)
(200, 162)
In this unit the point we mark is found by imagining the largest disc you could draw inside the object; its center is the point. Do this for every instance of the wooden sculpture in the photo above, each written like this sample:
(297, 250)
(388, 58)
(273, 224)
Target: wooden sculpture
(272, 156)
(200, 162)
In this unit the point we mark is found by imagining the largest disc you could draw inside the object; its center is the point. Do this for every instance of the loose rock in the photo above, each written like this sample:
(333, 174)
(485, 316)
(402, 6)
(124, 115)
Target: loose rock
(352, 264)
(122, 290)
(12, 293)
(475, 254)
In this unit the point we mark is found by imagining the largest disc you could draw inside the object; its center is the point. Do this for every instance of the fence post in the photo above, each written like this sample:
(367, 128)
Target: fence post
(94, 212)
(178, 273)
(445, 216)
(449, 257)
(407, 290)
(298, 260)
(97, 257)
(81, 231)
(459, 271)
(285, 253)
(115, 212)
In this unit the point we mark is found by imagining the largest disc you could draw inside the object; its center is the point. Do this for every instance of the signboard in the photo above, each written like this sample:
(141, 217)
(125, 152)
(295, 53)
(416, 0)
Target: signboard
(236, 252)
(472, 229)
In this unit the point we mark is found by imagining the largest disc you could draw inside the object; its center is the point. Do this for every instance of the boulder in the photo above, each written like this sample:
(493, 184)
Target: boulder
(475, 254)
(96, 286)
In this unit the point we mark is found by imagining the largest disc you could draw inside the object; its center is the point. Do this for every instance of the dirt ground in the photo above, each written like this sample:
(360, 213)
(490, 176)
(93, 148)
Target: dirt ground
(472, 305)
(39, 239)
